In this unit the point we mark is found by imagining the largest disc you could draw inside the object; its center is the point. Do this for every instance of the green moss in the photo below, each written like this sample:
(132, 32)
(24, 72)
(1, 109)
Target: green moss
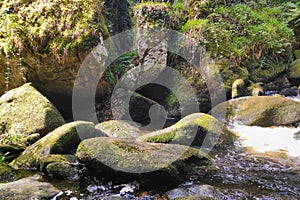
(62, 140)
(252, 38)
(105, 153)
(159, 15)
(187, 128)
(119, 128)
(198, 24)
(260, 111)
(53, 27)
(294, 69)
(297, 54)
(151, 4)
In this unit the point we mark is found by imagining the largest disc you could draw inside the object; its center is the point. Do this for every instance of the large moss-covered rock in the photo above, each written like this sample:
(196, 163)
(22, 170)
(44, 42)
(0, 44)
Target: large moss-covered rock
(119, 129)
(166, 162)
(260, 111)
(24, 112)
(63, 140)
(28, 188)
(196, 129)
(46, 42)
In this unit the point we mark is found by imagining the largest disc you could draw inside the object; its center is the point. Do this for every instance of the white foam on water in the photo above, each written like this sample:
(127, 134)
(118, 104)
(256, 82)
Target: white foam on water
(296, 98)
(269, 139)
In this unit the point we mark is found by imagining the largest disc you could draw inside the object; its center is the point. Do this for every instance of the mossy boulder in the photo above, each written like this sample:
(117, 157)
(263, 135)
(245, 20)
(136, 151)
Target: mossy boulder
(24, 112)
(260, 111)
(119, 129)
(28, 188)
(297, 54)
(294, 71)
(46, 42)
(146, 161)
(63, 140)
(196, 129)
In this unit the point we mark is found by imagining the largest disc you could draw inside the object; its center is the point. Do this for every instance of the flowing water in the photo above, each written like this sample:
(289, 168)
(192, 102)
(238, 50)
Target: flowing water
(262, 164)
(244, 171)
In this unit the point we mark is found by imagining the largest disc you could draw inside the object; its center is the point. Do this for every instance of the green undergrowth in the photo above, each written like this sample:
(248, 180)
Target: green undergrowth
(240, 32)
(120, 66)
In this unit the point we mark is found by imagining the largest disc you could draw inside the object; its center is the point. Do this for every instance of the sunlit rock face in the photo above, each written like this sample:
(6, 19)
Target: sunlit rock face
(259, 111)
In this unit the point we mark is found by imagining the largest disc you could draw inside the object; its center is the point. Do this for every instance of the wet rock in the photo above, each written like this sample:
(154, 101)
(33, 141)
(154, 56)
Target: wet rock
(294, 72)
(63, 140)
(205, 192)
(23, 112)
(297, 135)
(126, 158)
(28, 188)
(139, 106)
(288, 92)
(131, 106)
(196, 129)
(119, 129)
(238, 88)
(65, 170)
(260, 111)
(193, 192)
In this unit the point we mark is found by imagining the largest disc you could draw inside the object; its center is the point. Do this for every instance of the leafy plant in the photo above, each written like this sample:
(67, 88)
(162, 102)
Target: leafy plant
(120, 66)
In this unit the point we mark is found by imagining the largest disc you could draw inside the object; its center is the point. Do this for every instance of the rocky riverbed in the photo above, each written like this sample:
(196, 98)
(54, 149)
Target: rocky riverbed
(200, 156)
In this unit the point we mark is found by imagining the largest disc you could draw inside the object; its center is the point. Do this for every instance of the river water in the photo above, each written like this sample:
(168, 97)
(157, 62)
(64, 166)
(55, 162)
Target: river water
(244, 171)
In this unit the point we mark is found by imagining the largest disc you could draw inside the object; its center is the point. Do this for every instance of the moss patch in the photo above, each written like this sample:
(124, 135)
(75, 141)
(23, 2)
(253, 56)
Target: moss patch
(62, 140)
(260, 111)
(192, 129)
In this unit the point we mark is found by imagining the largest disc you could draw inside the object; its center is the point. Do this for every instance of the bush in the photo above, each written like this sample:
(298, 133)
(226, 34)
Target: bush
(239, 32)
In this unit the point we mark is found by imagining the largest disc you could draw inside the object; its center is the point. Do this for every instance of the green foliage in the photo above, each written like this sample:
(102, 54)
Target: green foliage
(57, 27)
(120, 66)
(3, 156)
(159, 15)
(240, 32)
